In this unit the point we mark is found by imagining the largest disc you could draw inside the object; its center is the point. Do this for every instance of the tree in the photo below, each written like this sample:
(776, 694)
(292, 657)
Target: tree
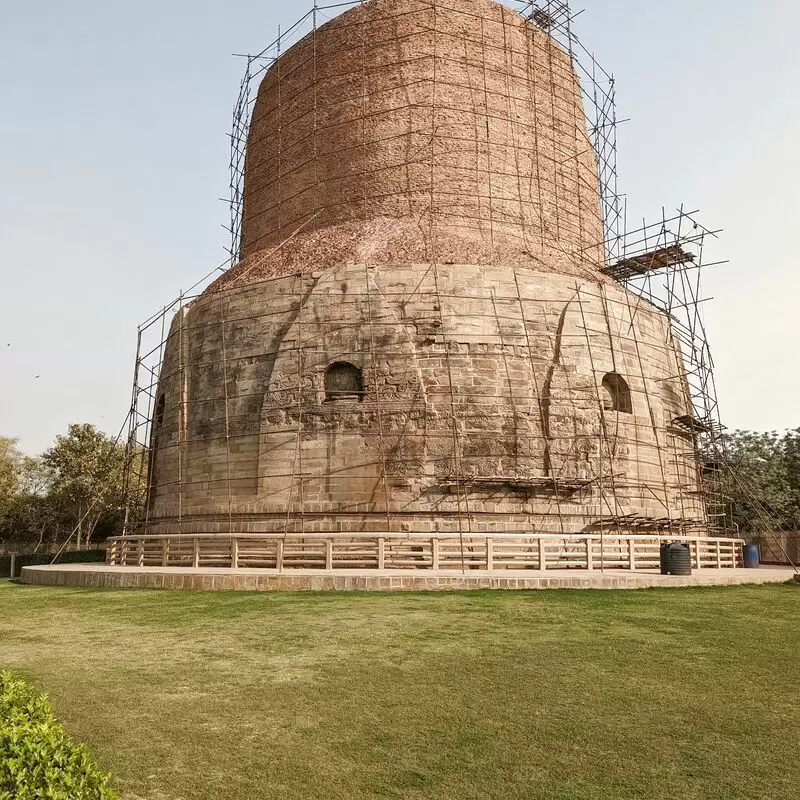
(763, 482)
(10, 463)
(27, 513)
(35, 514)
(31, 520)
(791, 456)
(87, 468)
(35, 476)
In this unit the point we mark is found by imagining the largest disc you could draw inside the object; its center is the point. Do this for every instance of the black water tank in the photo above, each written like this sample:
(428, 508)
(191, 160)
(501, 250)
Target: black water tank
(676, 558)
(665, 558)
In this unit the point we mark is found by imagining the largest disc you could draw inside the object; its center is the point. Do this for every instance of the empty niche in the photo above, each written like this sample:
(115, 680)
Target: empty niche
(616, 394)
(343, 381)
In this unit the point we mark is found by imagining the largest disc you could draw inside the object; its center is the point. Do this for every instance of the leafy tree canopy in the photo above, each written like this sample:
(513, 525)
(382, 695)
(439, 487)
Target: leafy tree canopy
(10, 462)
(763, 484)
(73, 489)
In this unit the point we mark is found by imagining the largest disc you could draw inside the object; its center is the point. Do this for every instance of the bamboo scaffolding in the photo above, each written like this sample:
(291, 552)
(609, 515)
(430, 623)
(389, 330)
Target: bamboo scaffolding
(671, 285)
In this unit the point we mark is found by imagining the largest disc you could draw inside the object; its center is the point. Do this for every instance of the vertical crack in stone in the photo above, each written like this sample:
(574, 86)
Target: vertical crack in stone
(547, 399)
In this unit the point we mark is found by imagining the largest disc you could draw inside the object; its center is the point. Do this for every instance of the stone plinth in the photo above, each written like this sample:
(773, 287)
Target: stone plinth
(99, 576)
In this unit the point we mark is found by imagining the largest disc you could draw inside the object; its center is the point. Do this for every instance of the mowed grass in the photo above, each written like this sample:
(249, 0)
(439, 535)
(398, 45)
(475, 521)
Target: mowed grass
(656, 694)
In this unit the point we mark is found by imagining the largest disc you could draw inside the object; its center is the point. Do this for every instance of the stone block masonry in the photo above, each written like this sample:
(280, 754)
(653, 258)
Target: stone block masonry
(482, 406)
(188, 579)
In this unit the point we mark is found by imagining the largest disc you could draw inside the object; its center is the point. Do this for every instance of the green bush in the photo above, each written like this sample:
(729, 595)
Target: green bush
(38, 760)
(34, 559)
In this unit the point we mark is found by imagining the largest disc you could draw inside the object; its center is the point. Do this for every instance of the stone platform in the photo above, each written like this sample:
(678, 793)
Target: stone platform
(264, 580)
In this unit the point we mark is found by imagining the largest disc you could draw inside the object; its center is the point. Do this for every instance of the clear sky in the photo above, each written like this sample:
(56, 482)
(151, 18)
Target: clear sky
(113, 154)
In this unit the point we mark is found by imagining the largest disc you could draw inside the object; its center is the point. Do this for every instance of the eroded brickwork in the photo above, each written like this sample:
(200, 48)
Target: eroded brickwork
(417, 131)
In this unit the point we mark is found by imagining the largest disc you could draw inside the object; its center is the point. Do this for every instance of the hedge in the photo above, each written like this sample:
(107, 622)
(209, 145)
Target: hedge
(34, 559)
(38, 759)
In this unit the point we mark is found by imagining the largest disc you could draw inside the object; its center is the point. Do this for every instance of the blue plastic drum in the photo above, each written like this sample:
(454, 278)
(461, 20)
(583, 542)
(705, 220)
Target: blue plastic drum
(752, 558)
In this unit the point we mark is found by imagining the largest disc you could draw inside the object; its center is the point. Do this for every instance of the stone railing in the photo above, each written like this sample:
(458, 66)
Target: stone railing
(415, 551)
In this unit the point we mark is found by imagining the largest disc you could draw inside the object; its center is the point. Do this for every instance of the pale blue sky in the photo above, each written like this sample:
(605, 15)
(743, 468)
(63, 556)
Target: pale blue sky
(113, 152)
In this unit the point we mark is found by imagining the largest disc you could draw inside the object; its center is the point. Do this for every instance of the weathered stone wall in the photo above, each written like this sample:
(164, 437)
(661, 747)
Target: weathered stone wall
(472, 374)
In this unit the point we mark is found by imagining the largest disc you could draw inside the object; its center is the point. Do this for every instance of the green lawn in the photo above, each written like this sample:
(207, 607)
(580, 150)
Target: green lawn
(672, 694)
